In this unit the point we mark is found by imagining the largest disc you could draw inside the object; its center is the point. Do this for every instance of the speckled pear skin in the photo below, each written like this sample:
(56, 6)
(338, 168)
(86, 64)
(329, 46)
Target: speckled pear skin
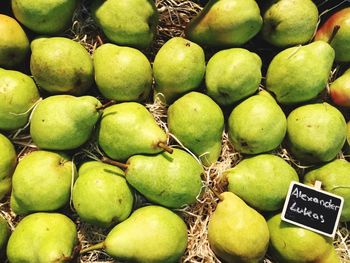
(257, 125)
(289, 244)
(179, 68)
(233, 74)
(289, 22)
(225, 23)
(64, 122)
(61, 66)
(236, 232)
(42, 182)
(151, 234)
(248, 177)
(131, 78)
(335, 178)
(115, 16)
(43, 238)
(172, 180)
(8, 161)
(101, 195)
(316, 132)
(198, 122)
(14, 44)
(127, 129)
(44, 17)
(299, 74)
(18, 94)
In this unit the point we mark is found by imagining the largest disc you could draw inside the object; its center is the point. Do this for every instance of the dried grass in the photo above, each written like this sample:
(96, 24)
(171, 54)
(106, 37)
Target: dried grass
(174, 15)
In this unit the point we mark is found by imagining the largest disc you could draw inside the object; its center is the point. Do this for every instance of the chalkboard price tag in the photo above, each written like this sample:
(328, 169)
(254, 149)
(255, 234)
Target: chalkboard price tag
(312, 208)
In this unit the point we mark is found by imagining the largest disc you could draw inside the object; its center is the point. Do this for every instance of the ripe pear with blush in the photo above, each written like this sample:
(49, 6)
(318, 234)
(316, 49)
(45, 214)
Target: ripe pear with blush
(339, 38)
(340, 90)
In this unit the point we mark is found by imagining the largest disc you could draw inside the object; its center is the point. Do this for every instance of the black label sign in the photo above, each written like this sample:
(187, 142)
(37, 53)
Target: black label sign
(311, 208)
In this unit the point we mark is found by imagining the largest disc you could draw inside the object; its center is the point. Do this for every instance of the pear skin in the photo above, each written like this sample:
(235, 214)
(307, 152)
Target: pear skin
(43, 238)
(290, 22)
(18, 94)
(257, 125)
(236, 232)
(44, 17)
(341, 41)
(131, 77)
(61, 66)
(225, 23)
(232, 74)
(14, 44)
(4, 233)
(64, 122)
(291, 244)
(179, 67)
(115, 16)
(41, 182)
(340, 90)
(127, 129)
(316, 132)
(335, 178)
(151, 234)
(198, 122)
(172, 180)
(299, 74)
(101, 195)
(8, 161)
(247, 180)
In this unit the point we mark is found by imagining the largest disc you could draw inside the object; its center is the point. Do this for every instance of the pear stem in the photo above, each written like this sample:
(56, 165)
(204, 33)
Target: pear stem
(215, 193)
(115, 163)
(93, 247)
(335, 31)
(165, 147)
(109, 103)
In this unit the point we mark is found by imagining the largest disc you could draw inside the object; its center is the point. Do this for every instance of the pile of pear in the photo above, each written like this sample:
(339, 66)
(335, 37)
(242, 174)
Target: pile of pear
(211, 81)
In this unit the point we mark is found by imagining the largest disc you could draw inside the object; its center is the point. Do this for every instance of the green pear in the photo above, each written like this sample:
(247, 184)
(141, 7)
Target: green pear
(335, 178)
(340, 90)
(248, 178)
(64, 122)
(4, 234)
(127, 22)
(8, 161)
(42, 182)
(61, 65)
(152, 234)
(198, 122)
(257, 125)
(18, 94)
(316, 132)
(225, 23)
(127, 129)
(44, 17)
(122, 73)
(289, 22)
(299, 74)
(14, 44)
(171, 180)
(291, 244)
(232, 75)
(101, 195)
(340, 42)
(43, 238)
(178, 67)
(236, 232)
